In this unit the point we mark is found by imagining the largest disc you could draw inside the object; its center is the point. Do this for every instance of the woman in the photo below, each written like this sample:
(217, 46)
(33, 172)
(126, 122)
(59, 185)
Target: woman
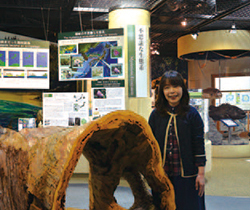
(179, 130)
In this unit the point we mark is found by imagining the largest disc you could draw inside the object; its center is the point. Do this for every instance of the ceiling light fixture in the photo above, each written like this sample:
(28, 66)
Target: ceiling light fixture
(194, 36)
(233, 26)
(154, 49)
(184, 22)
(90, 9)
(233, 29)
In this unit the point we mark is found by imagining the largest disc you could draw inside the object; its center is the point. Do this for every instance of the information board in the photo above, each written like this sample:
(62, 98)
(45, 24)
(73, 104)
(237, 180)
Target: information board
(24, 64)
(107, 96)
(229, 122)
(91, 55)
(65, 109)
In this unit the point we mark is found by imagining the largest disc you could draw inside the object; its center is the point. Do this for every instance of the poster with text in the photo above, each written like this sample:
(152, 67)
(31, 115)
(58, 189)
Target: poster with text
(26, 123)
(91, 55)
(24, 63)
(65, 109)
(107, 96)
(239, 99)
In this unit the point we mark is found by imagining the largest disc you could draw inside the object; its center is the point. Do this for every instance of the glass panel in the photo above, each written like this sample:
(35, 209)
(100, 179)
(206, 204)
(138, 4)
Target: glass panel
(232, 83)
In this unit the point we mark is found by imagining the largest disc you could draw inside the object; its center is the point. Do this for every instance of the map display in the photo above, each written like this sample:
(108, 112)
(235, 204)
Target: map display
(2, 58)
(68, 49)
(42, 59)
(14, 58)
(28, 59)
(88, 57)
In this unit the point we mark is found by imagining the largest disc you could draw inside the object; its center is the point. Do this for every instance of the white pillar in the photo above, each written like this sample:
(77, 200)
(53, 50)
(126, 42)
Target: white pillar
(122, 18)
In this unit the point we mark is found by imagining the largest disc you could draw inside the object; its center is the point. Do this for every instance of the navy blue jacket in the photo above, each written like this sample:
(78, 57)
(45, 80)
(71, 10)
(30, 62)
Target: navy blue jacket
(190, 131)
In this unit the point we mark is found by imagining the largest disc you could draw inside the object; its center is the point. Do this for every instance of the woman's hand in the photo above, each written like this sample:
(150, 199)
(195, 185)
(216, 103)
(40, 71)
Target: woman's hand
(200, 184)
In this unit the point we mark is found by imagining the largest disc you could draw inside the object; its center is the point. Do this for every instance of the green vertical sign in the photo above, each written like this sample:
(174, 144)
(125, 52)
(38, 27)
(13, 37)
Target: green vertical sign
(131, 61)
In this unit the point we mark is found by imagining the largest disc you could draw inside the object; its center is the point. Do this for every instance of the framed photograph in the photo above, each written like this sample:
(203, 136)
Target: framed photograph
(116, 52)
(116, 70)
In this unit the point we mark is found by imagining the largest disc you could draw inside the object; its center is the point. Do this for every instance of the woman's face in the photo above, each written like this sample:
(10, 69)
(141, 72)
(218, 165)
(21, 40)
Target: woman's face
(172, 94)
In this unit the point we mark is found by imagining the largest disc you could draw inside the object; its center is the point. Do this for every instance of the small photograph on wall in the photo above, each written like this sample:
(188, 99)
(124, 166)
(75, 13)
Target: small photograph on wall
(28, 59)
(2, 58)
(116, 52)
(37, 74)
(100, 93)
(66, 73)
(42, 59)
(65, 61)
(97, 72)
(13, 73)
(77, 61)
(116, 69)
(14, 58)
(68, 49)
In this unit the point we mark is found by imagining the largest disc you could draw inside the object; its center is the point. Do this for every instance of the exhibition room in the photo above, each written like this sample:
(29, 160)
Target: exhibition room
(87, 87)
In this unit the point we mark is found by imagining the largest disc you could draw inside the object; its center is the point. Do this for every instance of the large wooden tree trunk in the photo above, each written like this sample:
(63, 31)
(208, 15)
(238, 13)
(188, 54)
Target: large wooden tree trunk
(41, 161)
(13, 170)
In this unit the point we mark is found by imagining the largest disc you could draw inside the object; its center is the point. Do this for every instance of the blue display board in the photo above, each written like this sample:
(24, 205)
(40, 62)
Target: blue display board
(24, 62)
(91, 55)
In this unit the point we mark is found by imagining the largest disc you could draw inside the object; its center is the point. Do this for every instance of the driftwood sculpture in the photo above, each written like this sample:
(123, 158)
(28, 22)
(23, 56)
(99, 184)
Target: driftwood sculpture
(36, 164)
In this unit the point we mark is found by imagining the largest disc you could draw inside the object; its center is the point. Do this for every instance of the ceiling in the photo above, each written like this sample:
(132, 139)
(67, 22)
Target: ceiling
(44, 19)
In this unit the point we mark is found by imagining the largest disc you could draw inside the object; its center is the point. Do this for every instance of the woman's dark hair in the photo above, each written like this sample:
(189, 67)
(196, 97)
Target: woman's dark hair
(175, 79)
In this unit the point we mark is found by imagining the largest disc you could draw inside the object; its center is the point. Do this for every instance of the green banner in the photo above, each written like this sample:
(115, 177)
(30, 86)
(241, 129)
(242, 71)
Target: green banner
(195, 94)
(131, 61)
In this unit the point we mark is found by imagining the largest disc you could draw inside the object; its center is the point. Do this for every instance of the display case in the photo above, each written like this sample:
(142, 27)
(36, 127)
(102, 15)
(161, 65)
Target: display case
(202, 105)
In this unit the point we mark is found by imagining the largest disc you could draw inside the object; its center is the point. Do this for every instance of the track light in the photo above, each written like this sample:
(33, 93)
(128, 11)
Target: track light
(233, 29)
(194, 36)
(184, 22)
(233, 26)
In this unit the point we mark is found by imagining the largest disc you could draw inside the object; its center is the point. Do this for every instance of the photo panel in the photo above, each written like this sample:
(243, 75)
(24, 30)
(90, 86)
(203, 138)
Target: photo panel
(116, 70)
(116, 52)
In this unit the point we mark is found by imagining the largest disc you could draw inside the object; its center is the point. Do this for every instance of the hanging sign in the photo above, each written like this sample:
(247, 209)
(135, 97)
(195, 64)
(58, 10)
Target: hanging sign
(24, 64)
(138, 37)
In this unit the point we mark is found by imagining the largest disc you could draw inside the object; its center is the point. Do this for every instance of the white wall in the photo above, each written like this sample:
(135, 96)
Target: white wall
(200, 71)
